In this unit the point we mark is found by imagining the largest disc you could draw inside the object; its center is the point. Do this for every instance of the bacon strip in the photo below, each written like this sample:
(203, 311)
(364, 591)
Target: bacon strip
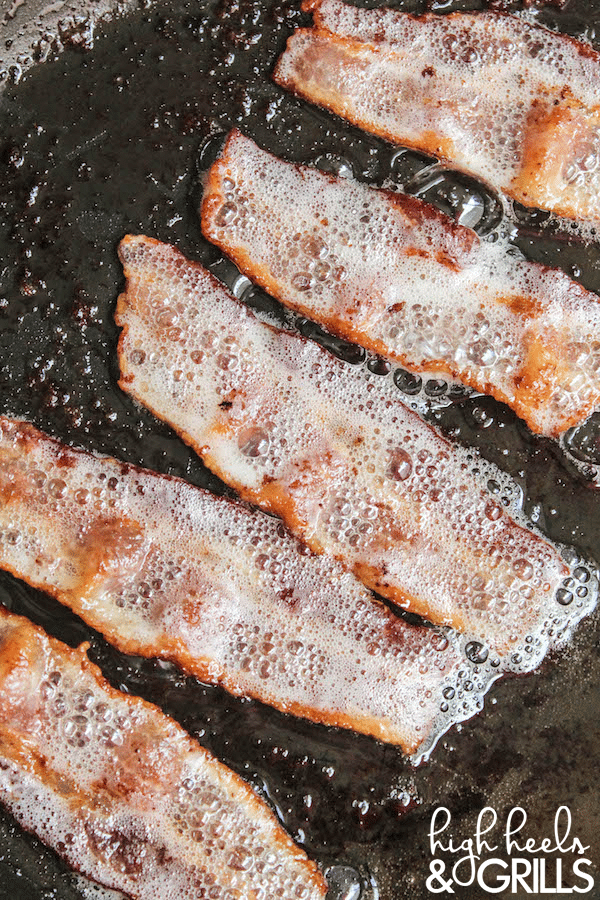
(395, 275)
(502, 99)
(165, 569)
(122, 793)
(329, 448)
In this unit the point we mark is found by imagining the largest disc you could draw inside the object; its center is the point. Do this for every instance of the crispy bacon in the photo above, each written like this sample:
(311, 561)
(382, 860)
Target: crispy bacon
(331, 449)
(500, 98)
(395, 275)
(122, 793)
(165, 569)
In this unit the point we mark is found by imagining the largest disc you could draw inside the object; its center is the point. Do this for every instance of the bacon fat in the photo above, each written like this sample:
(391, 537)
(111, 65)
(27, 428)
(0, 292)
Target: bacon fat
(122, 793)
(500, 98)
(331, 449)
(395, 275)
(162, 568)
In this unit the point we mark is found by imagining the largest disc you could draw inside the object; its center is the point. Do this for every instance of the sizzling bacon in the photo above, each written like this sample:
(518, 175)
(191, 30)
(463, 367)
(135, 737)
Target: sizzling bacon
(165, 569)
(122, 793)
(395, 275)
(331, 449)
(505, 100)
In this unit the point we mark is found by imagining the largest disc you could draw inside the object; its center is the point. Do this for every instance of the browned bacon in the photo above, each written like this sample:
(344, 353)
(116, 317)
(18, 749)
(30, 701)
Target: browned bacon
(122, 793)
(165, 569)
(395, 275)
(331, 449)
(503, 99)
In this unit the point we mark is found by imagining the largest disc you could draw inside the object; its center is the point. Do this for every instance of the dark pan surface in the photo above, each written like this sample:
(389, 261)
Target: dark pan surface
(112, 139)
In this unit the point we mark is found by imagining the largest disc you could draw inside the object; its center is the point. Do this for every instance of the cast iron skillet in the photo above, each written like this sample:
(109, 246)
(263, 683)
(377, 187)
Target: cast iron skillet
(111, 136)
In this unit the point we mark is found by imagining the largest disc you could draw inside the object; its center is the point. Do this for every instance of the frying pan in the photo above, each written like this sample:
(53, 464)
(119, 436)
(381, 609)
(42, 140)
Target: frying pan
(108, 118)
